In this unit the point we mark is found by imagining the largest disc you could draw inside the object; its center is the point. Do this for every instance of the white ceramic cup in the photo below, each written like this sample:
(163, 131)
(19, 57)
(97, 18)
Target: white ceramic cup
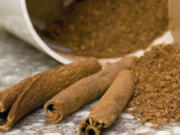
(15, 18)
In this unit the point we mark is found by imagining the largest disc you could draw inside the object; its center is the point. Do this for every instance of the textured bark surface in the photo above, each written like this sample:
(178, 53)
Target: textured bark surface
(32, 92)
(110, 106)
(83, 92)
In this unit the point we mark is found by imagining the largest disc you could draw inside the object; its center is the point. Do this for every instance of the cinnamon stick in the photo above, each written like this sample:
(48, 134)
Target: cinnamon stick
(83, 92)
(110, 105)
(24, 97)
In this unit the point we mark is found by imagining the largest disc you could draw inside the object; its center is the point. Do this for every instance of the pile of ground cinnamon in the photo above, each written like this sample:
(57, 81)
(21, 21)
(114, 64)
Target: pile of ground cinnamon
(157, 85)
(108, 28)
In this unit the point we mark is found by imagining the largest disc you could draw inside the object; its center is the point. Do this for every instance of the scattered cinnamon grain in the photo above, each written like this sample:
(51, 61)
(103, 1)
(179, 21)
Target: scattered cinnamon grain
(156, 97)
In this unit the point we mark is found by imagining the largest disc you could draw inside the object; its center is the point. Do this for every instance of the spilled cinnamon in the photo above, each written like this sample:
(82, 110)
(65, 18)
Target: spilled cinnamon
(156, 96)
(110, 106)
(83, 92)
(24, 97)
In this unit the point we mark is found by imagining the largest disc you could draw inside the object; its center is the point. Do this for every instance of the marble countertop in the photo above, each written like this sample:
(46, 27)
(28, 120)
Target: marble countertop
(19, 60)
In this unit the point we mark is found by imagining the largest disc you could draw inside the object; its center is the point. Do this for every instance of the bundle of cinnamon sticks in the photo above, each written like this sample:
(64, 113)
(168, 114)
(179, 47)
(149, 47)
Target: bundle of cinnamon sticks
(65, 89)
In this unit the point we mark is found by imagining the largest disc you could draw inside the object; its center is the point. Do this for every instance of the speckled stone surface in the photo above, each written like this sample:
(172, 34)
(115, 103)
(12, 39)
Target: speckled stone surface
(18, 60)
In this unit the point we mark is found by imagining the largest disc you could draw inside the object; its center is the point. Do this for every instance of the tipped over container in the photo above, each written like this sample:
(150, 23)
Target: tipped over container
(22, 17)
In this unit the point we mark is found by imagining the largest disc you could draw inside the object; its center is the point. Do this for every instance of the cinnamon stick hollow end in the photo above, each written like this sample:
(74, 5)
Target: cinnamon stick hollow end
(90, 126)
(110, 106)
(54, 112)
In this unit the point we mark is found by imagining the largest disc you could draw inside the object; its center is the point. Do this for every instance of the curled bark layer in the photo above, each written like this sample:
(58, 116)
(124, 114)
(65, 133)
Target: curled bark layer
(83, 92)
(24, 97)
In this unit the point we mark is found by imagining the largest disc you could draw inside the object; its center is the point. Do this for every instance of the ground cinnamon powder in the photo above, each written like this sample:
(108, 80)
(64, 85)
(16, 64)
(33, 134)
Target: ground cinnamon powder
(157, 85)
(108, 28)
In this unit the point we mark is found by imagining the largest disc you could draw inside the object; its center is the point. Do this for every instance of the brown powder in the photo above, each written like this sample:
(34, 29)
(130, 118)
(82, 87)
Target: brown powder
(108, 28)
(157, 85)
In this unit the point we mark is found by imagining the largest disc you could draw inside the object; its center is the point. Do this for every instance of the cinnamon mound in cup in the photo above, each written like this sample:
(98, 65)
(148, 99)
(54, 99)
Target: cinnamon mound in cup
(104, 28)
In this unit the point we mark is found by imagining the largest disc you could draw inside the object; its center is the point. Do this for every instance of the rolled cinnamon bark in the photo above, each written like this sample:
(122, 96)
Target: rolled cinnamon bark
(110, 105)
(22, 98)
(83, 92)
